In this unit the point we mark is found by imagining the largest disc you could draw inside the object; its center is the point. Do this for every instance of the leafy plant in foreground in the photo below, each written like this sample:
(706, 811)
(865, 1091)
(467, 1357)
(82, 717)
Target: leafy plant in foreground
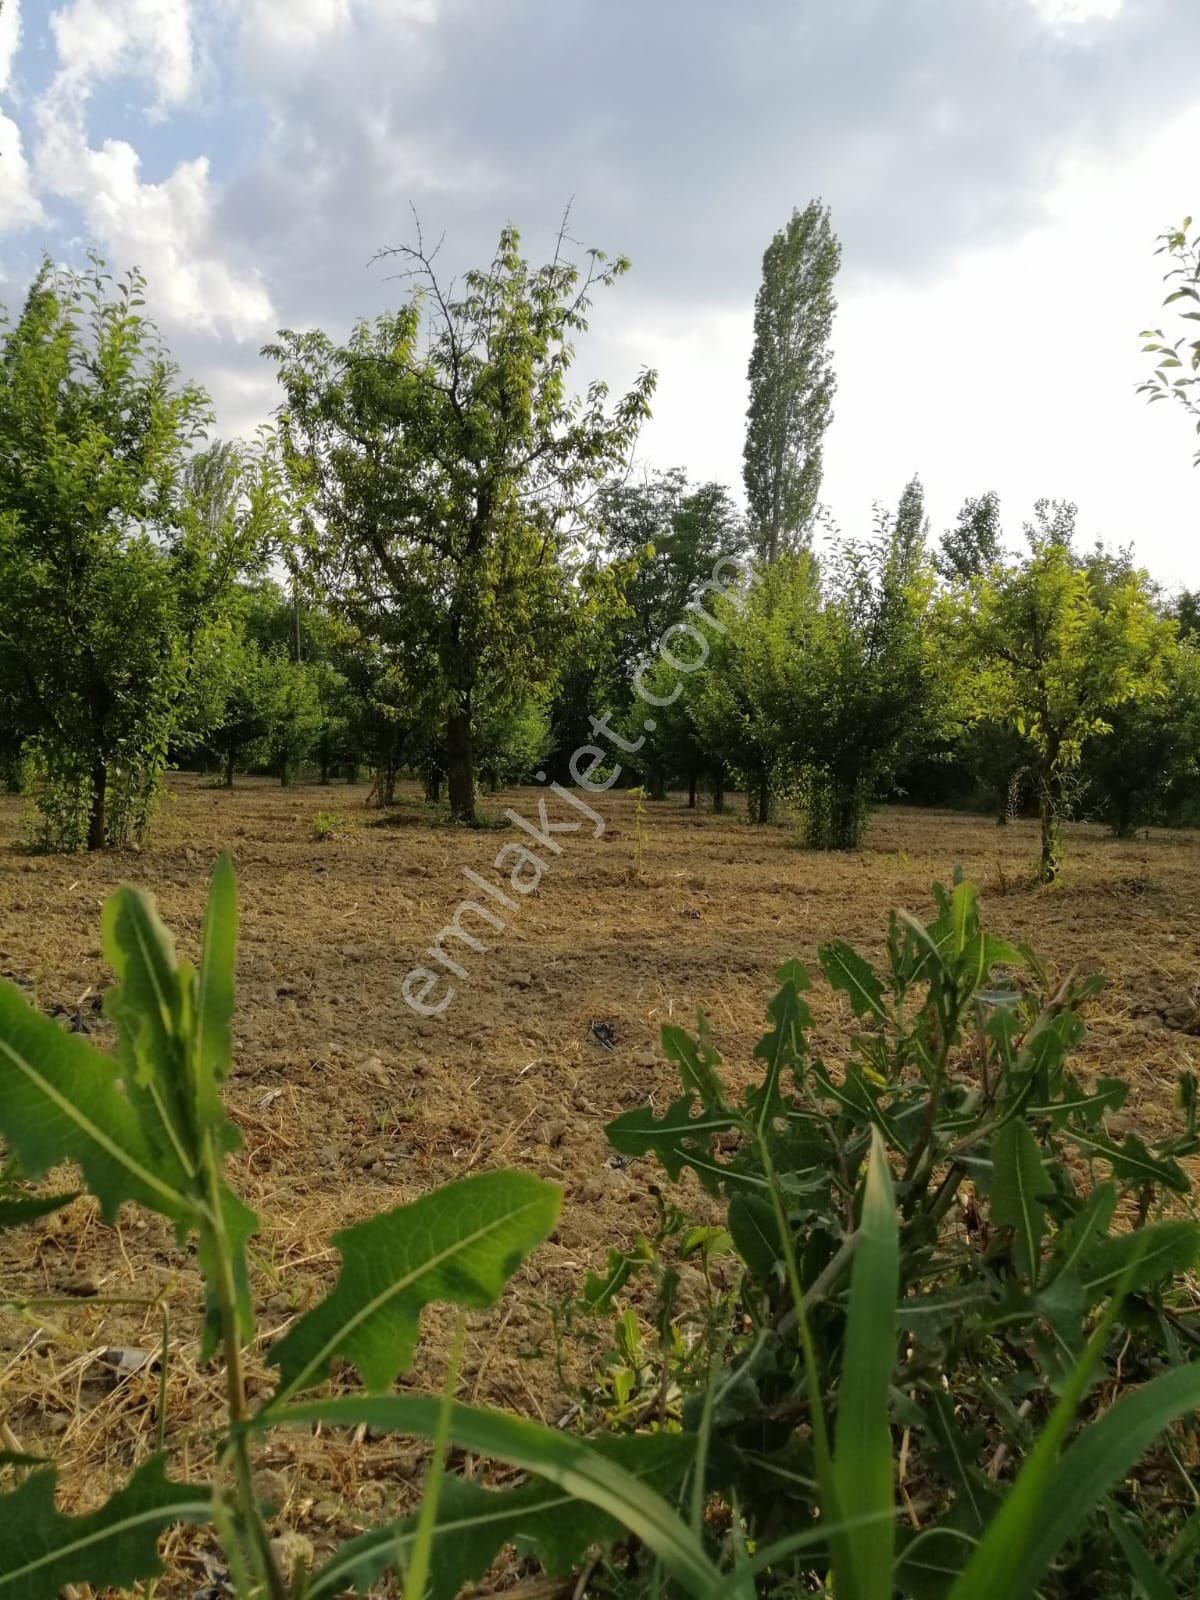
(948, 1260)
(147, 1126)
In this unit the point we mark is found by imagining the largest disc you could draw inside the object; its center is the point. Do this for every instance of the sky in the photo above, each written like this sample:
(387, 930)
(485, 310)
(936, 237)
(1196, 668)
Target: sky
(997, 171)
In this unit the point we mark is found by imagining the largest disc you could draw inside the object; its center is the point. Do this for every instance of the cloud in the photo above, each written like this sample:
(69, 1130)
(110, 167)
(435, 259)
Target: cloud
(1072, 11)
(10, 40)
(295, 134)
(19, 206)
(101, 39)
(166, 227)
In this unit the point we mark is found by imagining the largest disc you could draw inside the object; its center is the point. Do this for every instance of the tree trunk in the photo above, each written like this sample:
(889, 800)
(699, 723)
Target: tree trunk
(387, 781)
(692, 789)
(433, 787)
(324, 778)
(762, 799)
(352, 772)
(1048, 861)
(229, 768)
(718, 788)
(96, 814)
(658, 783)
(460, 769)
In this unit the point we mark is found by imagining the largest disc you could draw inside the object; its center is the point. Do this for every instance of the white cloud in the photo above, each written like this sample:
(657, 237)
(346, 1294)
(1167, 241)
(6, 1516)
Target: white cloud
(291, 26)
(19, 205)
(1067, 11)
(10, 39)
(99, 39)
(167, 228)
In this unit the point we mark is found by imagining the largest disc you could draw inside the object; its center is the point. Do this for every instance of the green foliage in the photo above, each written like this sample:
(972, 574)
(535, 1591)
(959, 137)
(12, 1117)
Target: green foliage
(460, 1245)
(972, 546)
(1057, 644)
(437, 459)
(41, 1551)
(147, 1126)
(791, 380)
(1146, 768)
(96, 570)
(1176, 372)
(821, 677)
(933, 1278)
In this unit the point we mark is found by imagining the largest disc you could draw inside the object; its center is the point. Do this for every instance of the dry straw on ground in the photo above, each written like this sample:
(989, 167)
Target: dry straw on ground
(349, 1103)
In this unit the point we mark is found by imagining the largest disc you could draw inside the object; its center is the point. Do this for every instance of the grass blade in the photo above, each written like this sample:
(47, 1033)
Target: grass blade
(558, 1457)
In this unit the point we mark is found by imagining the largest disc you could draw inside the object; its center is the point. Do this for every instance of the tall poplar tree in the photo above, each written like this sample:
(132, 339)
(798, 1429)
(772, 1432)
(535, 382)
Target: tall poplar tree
(791, 379)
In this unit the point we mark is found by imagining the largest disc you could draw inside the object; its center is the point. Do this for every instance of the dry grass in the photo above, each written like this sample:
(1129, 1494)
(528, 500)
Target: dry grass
(349, 1103)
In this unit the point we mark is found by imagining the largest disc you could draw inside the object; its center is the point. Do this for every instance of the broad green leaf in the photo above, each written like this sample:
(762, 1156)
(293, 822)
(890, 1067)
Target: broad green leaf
(697, 1061)
(1131, 1160)
(963, 919)
(18, 1209)
(1109, 1094)
(783, 1046)
(153, 1007)
(215, 988)
(1085, 1228)
(41, 1550)
(147, 1004)
(459, 1244)
(1021, 1183)
(862, 1460)
(1148, 1256)
(60, 1100)
(540, 1518)
(984, 951)
(846, 970)
(1060, 1496)
(755, 1233)
(562, 1459)
(678, 1139)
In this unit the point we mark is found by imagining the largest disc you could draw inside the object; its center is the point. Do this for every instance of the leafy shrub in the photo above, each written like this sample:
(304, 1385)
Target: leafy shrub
(943, 1241)
(328, 824)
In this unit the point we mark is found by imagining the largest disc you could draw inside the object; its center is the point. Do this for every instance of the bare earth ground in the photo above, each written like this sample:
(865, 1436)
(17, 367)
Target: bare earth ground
(349, 1103)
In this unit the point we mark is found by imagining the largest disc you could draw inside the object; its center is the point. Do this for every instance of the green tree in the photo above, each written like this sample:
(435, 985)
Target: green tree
(847, 681)
(791, 379)
(732, 715)
(1176, 372)
(972, 546)
(672, 536)
(1149, 761)
(95, 426)
(1056, 652)
(441, 465)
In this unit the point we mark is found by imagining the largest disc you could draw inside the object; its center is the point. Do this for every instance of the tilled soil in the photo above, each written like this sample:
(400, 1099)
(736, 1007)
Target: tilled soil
(349, 1102)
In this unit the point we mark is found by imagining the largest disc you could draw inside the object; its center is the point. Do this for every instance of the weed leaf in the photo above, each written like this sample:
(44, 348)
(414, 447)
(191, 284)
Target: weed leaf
(41, 1551)
(459, 1244)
